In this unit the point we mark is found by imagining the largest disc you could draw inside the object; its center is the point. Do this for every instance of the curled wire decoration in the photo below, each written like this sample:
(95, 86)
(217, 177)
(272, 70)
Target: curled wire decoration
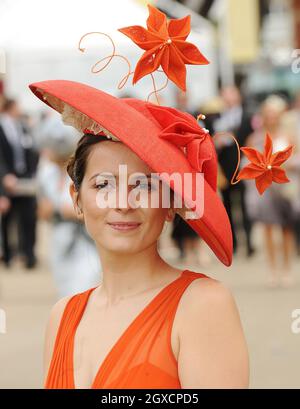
(222, 134)
(123, 81)
(96, 70)
(110, 39)
(156, 91)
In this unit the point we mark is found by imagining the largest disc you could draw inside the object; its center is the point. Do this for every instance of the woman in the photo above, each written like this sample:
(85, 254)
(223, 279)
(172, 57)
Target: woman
(274, 208)
(148, 324)
(207, 326)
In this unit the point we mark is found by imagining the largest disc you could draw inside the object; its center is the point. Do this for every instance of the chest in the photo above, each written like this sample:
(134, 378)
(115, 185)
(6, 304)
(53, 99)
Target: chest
(102, 334)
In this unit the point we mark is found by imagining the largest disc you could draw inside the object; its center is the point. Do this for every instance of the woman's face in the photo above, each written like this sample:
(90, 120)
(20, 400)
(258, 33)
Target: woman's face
(105, 157)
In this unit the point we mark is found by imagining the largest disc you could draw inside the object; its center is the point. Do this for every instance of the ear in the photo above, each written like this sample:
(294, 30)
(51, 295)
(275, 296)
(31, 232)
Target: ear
(172, 210)
(76, 201)
(170, 214)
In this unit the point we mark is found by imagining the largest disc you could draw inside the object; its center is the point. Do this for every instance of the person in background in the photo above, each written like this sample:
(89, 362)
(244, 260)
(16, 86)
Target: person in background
(4, 201)
(73, 256)
(291, 125)
(233, 119)
(273, 208)
(19, 160)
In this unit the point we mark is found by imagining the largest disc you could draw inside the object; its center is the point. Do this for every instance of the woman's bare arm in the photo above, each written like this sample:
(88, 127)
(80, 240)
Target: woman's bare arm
(51, 331)
(213, 351)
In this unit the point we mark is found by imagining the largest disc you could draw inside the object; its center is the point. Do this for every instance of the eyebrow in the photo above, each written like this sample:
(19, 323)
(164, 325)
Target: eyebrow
(113, 176)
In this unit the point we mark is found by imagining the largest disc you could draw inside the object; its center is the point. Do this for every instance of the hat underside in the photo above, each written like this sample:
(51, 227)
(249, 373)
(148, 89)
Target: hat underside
(72, 117)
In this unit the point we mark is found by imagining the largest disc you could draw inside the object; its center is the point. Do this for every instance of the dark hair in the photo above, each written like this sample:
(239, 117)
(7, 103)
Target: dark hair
(76, 165)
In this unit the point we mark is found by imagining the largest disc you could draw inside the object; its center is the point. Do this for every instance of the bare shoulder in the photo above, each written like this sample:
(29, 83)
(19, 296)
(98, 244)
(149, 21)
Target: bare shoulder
(206, 292)
(56, 313)
(213, 350)
(52, 327)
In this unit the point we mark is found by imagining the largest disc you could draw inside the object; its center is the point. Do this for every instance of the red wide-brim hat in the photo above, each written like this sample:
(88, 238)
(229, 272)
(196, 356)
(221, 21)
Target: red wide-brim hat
(166, 139)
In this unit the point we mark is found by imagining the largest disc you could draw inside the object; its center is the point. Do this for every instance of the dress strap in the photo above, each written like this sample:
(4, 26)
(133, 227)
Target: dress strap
(70, 318)
(186, 279)
(74, 310)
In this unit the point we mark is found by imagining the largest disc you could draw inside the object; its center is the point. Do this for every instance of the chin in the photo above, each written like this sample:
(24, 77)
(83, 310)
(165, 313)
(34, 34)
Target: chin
(120, 244)
(125, 249)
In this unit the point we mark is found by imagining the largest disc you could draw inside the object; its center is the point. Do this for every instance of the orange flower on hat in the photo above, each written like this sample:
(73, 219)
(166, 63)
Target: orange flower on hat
(265, 167)
(164, 44)
(183, 130)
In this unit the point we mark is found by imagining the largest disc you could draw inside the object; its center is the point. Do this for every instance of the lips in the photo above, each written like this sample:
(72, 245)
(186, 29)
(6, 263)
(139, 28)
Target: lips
(124, 226)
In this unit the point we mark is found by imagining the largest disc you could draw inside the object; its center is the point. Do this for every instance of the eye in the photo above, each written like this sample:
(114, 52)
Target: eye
(144, 186)
(104, 185)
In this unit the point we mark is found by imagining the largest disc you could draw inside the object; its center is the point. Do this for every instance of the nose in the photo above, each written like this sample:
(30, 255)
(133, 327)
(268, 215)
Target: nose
(123, 199)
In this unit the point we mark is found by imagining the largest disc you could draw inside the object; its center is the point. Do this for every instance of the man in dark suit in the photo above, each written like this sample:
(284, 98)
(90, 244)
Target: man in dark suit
(18, 160)
(234, 120)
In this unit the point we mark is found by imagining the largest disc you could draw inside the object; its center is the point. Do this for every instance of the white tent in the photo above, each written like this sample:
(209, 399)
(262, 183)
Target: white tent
(40, 40)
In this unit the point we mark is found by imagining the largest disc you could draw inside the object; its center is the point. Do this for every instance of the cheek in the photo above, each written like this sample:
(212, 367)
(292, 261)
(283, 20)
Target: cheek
(154, 221)
(94, 216)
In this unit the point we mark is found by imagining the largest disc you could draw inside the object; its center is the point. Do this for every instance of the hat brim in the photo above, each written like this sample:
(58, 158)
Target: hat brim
(118, 117)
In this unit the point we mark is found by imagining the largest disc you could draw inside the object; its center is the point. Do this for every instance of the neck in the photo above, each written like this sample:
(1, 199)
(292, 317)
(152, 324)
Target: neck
(126, 274)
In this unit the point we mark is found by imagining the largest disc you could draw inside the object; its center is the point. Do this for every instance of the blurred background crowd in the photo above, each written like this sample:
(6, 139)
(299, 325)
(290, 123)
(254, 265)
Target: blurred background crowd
(250, 88)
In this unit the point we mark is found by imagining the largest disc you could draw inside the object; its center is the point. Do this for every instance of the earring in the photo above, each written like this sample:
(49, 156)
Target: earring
(79, 210)
(165, 227)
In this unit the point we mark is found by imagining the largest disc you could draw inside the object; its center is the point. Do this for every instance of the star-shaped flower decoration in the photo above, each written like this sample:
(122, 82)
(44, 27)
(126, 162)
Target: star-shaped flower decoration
(164, 44)
(183, 130)
(265, 167)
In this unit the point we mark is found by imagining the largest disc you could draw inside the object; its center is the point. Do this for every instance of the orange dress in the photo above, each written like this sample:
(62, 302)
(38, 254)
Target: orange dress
(142, 358)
